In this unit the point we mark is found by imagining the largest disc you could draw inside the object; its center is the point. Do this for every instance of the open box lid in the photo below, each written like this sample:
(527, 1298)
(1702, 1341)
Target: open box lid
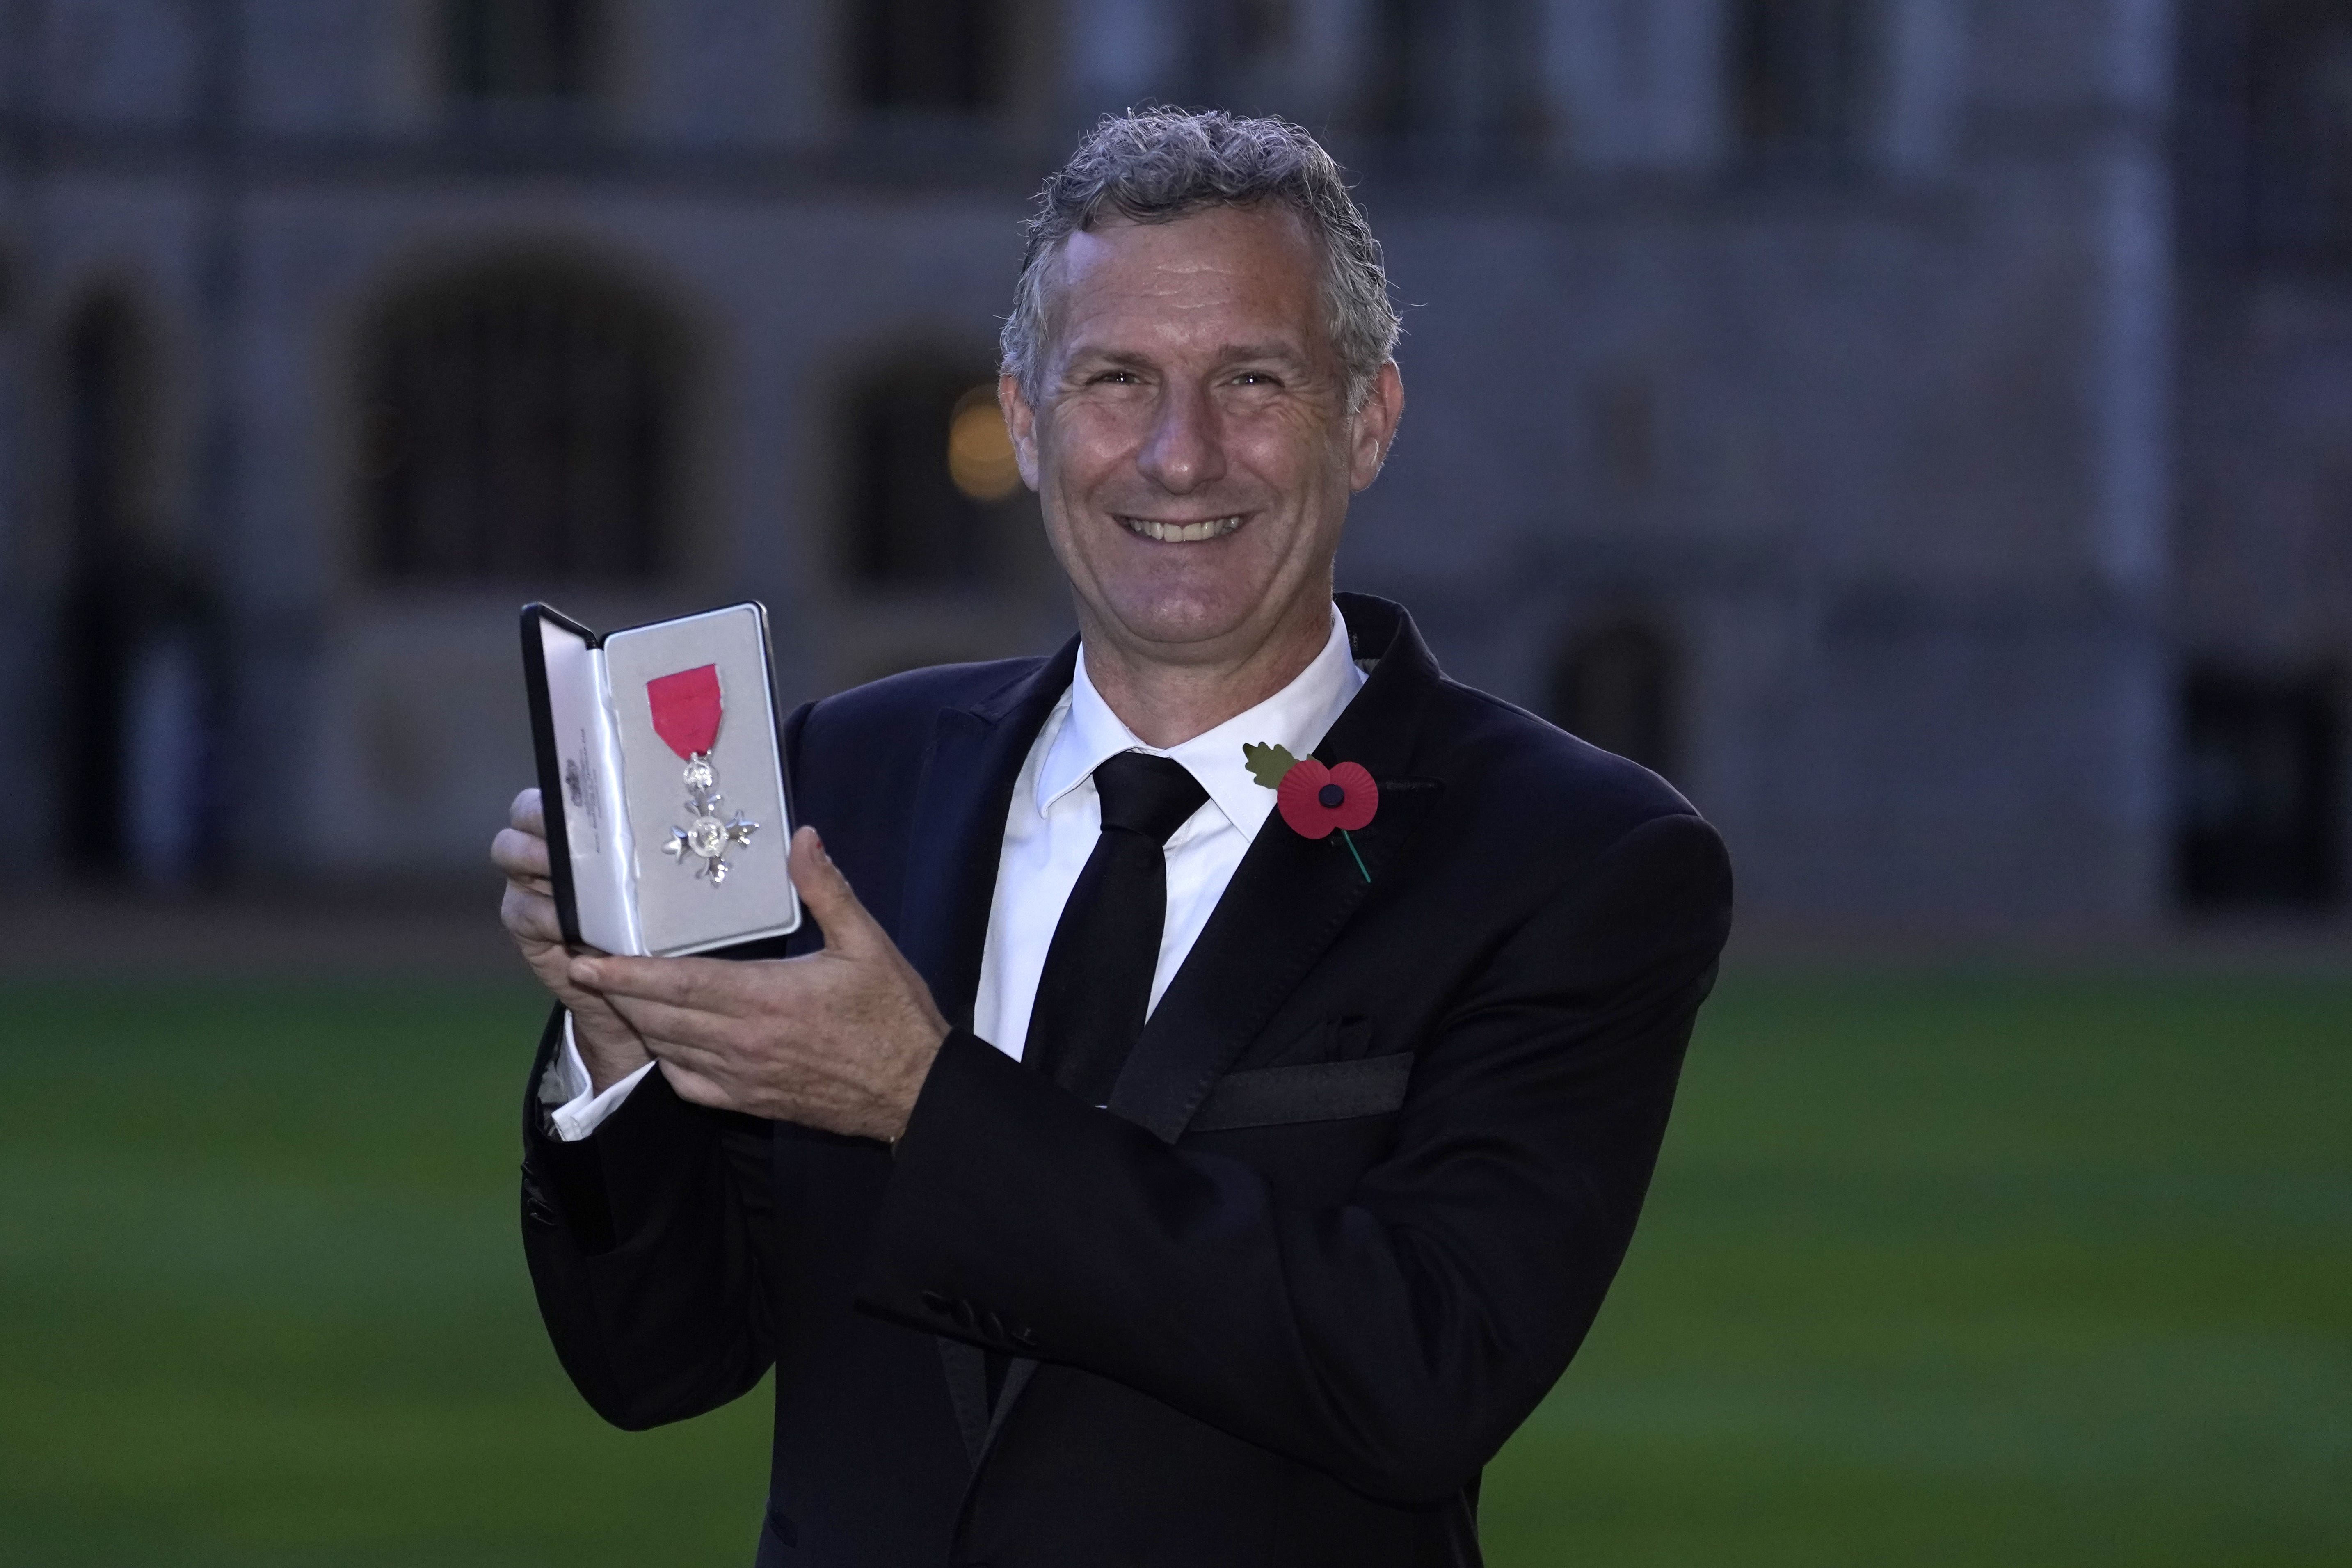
(653, 850)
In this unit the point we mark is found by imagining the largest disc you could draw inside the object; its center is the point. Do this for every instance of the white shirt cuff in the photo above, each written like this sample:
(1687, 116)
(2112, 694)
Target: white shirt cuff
(583, 1109)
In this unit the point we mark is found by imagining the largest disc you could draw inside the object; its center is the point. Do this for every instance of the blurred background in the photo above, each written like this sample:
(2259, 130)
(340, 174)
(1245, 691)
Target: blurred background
(1922, 430)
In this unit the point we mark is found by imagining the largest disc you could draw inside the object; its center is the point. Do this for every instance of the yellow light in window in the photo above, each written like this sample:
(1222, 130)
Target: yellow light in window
(980, 450)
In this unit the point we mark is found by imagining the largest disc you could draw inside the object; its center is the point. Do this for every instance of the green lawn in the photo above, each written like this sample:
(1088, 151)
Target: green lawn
(1937, 1271)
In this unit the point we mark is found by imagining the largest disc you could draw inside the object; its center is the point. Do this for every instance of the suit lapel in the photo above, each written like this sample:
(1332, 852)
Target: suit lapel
(957, 835)
(1291, 896)
(1287, 903)
(953, 846)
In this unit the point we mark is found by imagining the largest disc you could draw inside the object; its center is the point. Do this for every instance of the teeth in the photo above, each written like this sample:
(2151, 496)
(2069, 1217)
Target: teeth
(1181, 534)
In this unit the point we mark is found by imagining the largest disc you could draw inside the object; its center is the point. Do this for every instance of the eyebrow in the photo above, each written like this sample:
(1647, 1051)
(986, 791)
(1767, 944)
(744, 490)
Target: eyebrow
(1282, 352)
(1109, 356)
(1230, 354)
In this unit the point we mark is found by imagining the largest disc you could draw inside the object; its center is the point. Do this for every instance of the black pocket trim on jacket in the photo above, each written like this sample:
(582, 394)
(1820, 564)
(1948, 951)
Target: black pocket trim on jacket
(1310, 1091)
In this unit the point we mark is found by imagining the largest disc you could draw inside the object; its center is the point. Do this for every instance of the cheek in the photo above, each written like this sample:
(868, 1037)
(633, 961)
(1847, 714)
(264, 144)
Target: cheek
(1091, 438)
(1291, 446)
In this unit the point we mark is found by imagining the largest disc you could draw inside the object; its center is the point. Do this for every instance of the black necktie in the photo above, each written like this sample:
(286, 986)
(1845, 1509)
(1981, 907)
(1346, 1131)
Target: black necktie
(1096, 987)
(1096, 983)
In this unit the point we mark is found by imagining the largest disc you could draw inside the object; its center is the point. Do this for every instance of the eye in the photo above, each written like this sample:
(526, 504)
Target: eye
(1115, 378)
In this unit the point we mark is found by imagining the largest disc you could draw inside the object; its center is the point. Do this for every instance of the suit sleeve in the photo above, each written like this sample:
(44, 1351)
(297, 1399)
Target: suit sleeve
(651, 1243)
(649, 1249)
(1393, 1342)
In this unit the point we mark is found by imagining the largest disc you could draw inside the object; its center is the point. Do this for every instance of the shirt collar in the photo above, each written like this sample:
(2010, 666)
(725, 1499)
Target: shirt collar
(1296, 717)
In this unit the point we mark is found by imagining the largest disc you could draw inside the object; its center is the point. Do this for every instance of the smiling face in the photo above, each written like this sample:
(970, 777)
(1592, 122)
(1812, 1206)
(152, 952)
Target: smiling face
(1191, 444)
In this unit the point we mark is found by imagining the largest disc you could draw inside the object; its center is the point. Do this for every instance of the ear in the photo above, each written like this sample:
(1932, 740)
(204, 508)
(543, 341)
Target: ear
(1021, 423)
(1373, 427)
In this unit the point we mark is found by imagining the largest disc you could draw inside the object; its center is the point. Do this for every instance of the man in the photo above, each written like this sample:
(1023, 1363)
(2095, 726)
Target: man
(1266, 1278)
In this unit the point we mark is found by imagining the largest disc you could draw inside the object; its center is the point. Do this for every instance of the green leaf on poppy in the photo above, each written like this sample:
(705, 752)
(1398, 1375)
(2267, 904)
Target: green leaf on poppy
(1267, 763)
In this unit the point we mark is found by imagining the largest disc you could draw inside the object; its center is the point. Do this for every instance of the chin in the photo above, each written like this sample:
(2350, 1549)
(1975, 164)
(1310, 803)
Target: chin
(1181, 617)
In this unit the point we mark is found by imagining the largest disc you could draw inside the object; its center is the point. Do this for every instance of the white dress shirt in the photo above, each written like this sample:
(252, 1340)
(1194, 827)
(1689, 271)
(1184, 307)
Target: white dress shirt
(1050, 832)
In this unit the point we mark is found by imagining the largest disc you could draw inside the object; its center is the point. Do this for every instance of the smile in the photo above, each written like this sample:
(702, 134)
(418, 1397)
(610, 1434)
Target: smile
(1180, 532)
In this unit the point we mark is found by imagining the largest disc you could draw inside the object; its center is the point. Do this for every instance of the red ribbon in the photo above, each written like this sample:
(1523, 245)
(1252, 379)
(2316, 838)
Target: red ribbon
(686, 708)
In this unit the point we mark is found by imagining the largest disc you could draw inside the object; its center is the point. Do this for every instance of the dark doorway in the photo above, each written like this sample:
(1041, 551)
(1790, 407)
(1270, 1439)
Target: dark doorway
(1619, 688)
(522, 427)
(105, 362)
(2261, 792)
(131, 692)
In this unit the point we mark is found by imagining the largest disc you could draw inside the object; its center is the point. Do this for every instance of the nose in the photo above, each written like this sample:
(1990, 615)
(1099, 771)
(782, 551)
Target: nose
(1185, 448)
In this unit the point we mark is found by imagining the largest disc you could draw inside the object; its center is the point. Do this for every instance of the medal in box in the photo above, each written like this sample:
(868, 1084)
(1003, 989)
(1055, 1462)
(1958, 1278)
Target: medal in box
(661, 779)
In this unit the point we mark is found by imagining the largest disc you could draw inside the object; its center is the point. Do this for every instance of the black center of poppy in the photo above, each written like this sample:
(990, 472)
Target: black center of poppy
(1330, 795)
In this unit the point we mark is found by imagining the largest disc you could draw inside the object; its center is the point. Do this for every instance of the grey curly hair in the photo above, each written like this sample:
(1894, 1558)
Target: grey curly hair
(1156, 165)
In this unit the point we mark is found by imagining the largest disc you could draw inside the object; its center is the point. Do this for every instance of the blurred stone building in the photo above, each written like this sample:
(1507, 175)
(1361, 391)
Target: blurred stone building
(1916, 426)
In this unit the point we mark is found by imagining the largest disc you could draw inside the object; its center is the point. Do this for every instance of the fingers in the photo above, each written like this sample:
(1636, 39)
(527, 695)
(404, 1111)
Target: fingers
(519, 855)
(529, 915)
(702, 1045)
(696, 985)
(520, 851)
(849, 930)
(703, 1038)
(696, 1089)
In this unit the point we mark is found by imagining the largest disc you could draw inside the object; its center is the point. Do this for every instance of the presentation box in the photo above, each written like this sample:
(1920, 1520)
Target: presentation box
(662, 779)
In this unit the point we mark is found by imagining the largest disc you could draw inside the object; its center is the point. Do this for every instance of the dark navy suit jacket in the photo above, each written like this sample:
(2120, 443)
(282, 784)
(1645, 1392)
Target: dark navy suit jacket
(1353, 1205)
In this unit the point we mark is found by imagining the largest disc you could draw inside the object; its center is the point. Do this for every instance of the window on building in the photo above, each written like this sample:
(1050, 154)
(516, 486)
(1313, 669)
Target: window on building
(1241, 51)
(521, 425)
(2261, 793)
(2299, 121)
(1453, 73)
(933, 493)
(940, 57)
(1798, 80)
(521, 50)
(1619, 688)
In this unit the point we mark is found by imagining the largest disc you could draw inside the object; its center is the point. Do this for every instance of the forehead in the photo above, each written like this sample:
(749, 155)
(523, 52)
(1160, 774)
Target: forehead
(1226, 271)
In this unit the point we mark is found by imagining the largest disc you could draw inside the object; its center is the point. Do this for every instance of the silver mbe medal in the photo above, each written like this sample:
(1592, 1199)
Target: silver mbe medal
(686, 708)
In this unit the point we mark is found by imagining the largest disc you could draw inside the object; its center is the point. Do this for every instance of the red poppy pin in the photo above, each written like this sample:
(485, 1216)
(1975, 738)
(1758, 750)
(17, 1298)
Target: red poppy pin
(1315, 799)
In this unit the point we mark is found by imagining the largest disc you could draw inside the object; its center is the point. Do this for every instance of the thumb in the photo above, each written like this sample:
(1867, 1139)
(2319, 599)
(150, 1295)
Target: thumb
(848, 928)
